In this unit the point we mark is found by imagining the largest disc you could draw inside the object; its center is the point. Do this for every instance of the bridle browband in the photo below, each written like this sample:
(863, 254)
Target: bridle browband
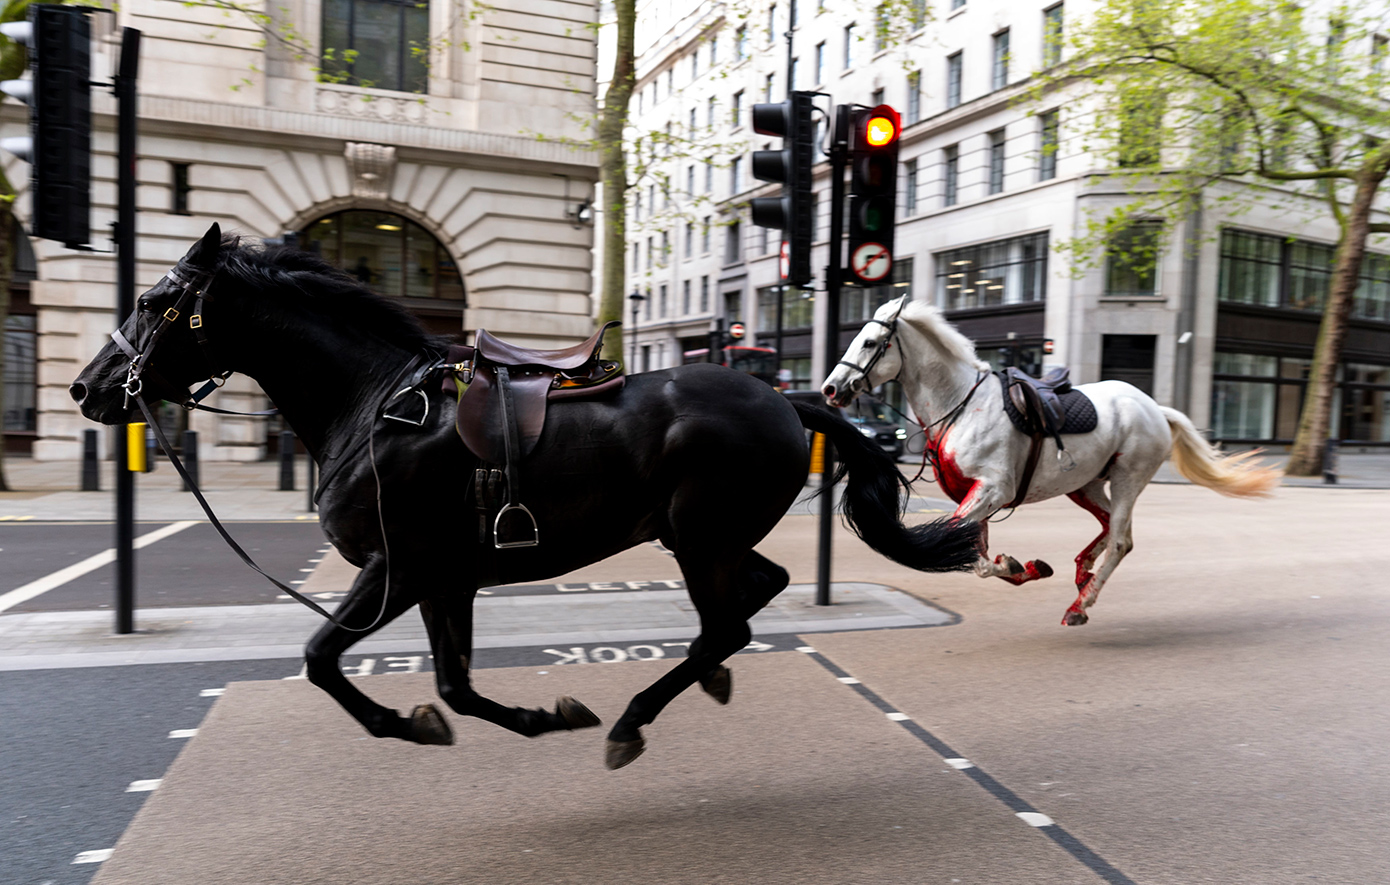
(881, 350)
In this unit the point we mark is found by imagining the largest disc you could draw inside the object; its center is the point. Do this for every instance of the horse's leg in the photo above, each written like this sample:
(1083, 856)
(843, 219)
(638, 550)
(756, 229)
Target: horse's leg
(759, 579)
(1091, 498)
(1125, 487)
(361, 610)
(449, 621)
(979, 504)
(722, 633)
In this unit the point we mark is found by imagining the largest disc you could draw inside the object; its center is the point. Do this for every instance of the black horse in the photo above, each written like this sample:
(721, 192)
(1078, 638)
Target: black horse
(704, 459)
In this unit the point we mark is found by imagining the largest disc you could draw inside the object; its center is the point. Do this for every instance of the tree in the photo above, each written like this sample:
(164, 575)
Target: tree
(612, 126)
(13, 61)
(1186, 96)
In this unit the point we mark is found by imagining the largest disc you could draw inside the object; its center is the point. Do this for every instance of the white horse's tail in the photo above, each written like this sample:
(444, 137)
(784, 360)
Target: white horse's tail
(1199, 461)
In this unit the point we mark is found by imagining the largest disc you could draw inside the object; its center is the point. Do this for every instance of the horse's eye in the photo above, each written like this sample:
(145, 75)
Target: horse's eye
(144, 305)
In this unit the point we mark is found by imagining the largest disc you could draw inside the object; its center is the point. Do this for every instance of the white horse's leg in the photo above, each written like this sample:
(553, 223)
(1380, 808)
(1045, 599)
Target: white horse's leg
(977, 507)
(1124, 490)
(1091, 498)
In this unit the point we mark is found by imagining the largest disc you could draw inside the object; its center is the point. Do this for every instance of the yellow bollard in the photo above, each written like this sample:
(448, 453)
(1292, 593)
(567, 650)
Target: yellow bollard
(135, 460)
(818, 453)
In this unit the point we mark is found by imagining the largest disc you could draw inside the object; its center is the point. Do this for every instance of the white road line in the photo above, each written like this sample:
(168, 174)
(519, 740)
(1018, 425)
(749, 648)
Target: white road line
(183, 732)
(78, 569)
(806, 650)
(148, 786)
(898, 717)
(959, 764)
(211, 692)
(96, 856)
(1035, 819)
(848, 680)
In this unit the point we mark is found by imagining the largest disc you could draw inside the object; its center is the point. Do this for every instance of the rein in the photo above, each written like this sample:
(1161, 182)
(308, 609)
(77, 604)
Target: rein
(197, 291)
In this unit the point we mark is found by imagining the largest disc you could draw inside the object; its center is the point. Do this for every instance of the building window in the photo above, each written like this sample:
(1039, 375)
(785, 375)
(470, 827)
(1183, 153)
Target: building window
(1012, 271)
(651, 251)
(857, 304)
(1141, 113)
(797, 308)
(849, 46)
(914, 97)
(1131, 261)
(768, 82)
(996, 161)
(953, 72)
(950, 178)
(910, 188)
(388, 252)
(21, 374)
(1052, 35)
(1379, 45)
(1047, 146)
(695, 63)
(704, 237)
(382, 44)
(957, 4)
(709, 176)
(1372, 298)
(689, 239)
(709, 113)
(1295, 274)
(736, 175)
(704, 294)
(881, 22)
(733, 247)
(791, 74)
(736, 110)
(764, 240)
(999, 71)
(876, 97)
(741, 43)
(685, 297)
(772, 22)
(178, 189)
(713, 50)
(665, 247)
(820, 62)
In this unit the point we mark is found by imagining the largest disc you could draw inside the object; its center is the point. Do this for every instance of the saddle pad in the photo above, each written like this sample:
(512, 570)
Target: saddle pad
(1078, 411)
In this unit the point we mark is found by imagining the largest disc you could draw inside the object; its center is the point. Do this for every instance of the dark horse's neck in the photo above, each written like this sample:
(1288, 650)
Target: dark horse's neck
(326, 369)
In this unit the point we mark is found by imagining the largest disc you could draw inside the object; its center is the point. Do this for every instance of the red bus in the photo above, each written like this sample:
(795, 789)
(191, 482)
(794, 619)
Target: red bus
(760, 362)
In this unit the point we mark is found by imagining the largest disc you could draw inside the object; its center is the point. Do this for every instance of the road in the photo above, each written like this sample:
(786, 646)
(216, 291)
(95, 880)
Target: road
(1220, 719)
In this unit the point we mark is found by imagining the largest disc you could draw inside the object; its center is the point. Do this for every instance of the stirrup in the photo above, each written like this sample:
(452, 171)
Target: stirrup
(1071, 462)
(507, 545)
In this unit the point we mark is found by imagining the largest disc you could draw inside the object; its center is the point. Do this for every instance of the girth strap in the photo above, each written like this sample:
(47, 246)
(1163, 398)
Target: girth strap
(510, 435)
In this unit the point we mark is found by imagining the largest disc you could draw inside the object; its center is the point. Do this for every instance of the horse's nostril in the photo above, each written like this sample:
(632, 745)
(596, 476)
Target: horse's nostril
(828, 390)
(78, 391)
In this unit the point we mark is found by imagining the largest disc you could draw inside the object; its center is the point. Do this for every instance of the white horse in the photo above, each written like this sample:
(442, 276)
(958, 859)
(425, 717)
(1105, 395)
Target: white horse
(980, 458)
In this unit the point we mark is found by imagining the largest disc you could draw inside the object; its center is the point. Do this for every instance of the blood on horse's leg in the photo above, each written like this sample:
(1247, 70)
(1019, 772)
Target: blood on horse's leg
(1119, 542)
(449, 621)
(1093, 500)
(977, 506)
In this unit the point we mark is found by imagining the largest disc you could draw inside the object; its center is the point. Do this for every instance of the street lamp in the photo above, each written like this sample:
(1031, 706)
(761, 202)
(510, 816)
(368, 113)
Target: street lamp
(636, 298)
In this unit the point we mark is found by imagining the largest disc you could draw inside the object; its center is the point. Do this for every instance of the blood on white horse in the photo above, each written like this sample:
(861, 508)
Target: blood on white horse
(979, 456)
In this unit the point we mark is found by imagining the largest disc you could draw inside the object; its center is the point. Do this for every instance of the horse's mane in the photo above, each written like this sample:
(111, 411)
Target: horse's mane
(928, 319)
(328, 290)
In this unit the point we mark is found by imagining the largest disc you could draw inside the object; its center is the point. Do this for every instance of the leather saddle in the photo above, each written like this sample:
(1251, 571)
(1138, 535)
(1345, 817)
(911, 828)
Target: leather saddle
(504, 392)
(1041, 408)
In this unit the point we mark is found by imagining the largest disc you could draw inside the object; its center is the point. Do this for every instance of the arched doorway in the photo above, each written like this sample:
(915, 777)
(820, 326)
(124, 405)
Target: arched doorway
(396, 257)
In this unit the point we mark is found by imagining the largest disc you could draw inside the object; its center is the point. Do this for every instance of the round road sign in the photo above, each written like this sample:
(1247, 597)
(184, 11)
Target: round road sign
(871, 262)
(737, 331)
(784, 260)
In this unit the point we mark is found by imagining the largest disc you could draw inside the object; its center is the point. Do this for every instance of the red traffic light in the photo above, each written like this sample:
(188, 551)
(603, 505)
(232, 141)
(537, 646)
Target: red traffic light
(880, 131)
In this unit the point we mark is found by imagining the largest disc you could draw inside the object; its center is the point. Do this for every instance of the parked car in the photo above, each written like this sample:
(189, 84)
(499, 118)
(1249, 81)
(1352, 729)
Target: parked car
(876, 422)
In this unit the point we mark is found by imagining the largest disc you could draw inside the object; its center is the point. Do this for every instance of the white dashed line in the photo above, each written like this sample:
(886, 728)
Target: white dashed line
(1035, 819)
(183, 732)
(898, 717)
(145, 786)
(211, 692)
(959, 764)
(96, 856)
(306, 570)
(848, 680)
(806, 650)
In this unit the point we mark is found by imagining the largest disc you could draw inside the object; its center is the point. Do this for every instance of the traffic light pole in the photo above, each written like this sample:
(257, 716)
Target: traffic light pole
(839, 156)
(125, 303)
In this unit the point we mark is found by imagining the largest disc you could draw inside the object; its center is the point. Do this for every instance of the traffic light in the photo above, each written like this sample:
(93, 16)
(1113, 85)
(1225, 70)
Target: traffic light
(59, 146)
(794, 211)
(873, 197)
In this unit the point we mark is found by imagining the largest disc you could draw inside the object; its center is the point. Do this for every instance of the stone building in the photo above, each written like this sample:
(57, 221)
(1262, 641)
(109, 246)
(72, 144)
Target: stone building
(440, 183)
(1224, 332)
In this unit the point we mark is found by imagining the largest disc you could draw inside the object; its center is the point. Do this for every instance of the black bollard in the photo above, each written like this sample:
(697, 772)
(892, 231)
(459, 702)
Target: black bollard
(310, 481)
(287, 460)
(91, 472)
(190, 458)
(1329, 462)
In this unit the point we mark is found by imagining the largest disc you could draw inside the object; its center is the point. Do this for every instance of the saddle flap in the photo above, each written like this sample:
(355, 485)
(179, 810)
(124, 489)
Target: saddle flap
(480, 413)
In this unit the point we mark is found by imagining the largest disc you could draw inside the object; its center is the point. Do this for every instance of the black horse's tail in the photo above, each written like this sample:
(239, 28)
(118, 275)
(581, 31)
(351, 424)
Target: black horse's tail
(874, 500)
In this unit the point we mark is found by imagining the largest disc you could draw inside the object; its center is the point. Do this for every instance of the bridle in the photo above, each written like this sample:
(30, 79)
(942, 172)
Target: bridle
(880, 350)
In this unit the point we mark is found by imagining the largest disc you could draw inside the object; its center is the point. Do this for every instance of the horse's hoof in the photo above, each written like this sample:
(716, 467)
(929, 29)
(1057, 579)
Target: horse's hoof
(719, 684)
(1043, 569)
(1011, 565)
(1075, 619)
(620, 753)
(428, 727)
(575, 714)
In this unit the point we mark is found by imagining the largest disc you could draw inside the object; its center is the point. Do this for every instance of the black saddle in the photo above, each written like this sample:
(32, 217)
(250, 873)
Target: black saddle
(1041, 408)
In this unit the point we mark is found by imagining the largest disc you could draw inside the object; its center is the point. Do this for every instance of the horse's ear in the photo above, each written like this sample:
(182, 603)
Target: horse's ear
(204, 252)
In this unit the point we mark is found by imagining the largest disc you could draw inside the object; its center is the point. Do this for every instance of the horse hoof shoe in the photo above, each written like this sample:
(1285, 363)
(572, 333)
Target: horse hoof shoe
(1043, 569)
(620, 753)
(719, 684)
(1075, 619)
(575, 714)
(427, 726)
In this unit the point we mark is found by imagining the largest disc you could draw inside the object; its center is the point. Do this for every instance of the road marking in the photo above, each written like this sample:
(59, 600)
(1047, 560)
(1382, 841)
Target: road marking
(78, 569)
(211, 692)
(96, 856)
(183, 732)
(1014, 802)
(147, 786)
(15, 518)
(806, 650)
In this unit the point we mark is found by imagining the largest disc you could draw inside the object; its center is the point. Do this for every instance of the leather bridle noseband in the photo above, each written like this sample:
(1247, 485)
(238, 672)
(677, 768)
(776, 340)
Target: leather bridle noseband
(881, 350)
